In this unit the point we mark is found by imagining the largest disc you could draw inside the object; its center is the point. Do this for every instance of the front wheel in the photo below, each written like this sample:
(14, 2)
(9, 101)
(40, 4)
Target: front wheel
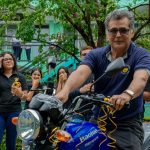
(146, 145)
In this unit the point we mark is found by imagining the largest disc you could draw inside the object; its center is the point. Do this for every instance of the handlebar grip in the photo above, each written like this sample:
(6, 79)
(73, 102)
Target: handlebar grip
(127, 105)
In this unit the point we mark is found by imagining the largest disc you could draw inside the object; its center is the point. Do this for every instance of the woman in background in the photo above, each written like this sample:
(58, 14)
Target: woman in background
(36, 75)
(62, 76)
(13, 87)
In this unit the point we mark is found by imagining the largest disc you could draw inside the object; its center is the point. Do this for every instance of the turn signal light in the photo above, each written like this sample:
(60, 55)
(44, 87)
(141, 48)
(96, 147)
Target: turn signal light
(62, 135)
(14, 120)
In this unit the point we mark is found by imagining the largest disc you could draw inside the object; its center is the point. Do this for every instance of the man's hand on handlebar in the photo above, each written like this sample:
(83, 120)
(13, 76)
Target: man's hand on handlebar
(62, 96)
(119, 100)
(86, 88)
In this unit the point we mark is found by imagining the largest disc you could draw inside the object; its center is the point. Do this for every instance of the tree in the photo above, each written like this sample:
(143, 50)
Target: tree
(142, 17)
(84, 16)
(87, 17)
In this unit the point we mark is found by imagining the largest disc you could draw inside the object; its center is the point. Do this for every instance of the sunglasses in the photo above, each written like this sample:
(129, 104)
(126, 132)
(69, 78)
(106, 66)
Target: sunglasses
(6, 59)
(122, 31)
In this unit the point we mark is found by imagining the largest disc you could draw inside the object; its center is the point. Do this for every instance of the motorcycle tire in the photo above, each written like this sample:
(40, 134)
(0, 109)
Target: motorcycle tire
(146, 145)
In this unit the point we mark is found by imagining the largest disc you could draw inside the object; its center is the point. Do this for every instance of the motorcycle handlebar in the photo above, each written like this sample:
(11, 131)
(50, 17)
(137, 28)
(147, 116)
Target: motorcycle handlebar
(100, 99)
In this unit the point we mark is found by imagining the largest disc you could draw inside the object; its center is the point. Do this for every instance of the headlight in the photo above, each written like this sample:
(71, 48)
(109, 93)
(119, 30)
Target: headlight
(29, 124)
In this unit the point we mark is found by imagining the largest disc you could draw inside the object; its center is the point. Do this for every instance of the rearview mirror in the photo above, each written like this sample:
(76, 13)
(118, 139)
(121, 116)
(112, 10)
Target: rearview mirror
(114, 67)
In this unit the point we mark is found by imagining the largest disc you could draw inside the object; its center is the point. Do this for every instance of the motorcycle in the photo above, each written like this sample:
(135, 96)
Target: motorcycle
(47, 126)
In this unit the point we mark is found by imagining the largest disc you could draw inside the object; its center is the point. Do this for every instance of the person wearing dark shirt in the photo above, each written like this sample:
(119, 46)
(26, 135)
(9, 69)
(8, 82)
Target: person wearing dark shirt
(11, 82)
(50, 86)
(16, 46)
(124, 87)
(28, 51)
(85, 87)
(36, 75)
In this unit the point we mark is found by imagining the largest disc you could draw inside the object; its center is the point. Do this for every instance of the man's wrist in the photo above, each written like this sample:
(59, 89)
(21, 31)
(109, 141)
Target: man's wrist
(130, 93)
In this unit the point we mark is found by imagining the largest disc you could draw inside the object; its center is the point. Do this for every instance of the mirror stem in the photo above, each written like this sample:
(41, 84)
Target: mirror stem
(95, 82)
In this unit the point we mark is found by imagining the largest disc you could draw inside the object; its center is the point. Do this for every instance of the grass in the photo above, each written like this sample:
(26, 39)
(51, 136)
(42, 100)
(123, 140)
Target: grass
(3, 144)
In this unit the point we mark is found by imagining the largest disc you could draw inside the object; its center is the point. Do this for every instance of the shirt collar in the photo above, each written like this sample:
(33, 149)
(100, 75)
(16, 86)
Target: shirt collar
(14, 72)
(109, 57)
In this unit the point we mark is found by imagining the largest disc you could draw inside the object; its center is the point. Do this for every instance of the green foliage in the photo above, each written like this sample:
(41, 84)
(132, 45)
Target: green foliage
(144, 42)
(77, 16)
(83, 16)
(62, 52)
(26, 34)
(3, 144)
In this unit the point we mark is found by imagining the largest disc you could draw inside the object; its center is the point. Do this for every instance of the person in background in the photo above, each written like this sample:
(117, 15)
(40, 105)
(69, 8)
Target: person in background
(58, 42)
(36, 75)
(62, 76)
(147, 91)
(53, 42)
(85, 87)
(146, 96)
(13, 87)
(28, 51)
(50, 86)
(16, 46)
(124, 87)
(59, 38)
(84, 51)
(51, 64)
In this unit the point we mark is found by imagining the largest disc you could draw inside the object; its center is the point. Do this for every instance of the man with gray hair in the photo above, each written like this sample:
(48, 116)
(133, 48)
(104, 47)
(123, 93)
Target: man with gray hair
(124, 87)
